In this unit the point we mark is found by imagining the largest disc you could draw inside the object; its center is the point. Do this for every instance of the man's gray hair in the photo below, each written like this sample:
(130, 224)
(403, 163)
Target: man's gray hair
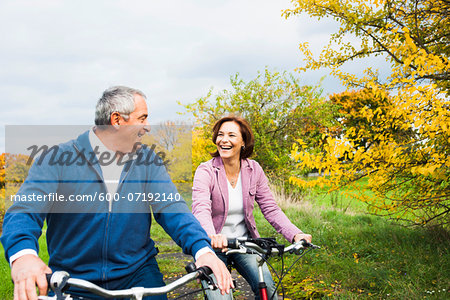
(115, 99)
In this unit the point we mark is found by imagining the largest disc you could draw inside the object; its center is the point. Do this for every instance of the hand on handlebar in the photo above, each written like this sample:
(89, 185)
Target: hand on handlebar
(27, 272)
(223, 276)
(302, 236)
(219, 241)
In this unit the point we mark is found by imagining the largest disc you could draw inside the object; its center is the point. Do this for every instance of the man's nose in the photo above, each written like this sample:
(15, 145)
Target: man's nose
(146, 126)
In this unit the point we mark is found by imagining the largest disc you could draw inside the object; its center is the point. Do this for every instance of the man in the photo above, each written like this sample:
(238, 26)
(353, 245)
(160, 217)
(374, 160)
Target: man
(106, 242)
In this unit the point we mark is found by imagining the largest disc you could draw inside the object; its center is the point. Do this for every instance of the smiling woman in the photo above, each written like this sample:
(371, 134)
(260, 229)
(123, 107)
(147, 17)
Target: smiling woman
(229, 140)
(223, 195)
(234, 140)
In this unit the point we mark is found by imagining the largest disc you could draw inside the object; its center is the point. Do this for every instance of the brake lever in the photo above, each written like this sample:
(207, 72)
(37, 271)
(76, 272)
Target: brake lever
(301, 245)
(203, 274)
(240, 250)
(57, 282)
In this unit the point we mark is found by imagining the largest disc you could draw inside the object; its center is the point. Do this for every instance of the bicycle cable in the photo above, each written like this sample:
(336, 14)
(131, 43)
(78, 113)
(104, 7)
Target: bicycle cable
(283, 274)
(274, 270)
(192, 292)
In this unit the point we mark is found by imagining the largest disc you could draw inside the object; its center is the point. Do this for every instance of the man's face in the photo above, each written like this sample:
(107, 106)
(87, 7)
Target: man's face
(132, 131)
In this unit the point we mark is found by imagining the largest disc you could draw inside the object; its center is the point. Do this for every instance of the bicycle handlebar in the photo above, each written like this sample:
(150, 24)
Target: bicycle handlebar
(267, 246)
(61, 280)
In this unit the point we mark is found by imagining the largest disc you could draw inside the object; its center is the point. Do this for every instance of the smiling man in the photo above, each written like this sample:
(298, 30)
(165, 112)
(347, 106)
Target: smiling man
(129, 120)
(105, 242)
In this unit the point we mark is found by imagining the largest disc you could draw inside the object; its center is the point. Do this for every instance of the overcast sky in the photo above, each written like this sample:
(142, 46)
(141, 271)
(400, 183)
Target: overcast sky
(57, 56)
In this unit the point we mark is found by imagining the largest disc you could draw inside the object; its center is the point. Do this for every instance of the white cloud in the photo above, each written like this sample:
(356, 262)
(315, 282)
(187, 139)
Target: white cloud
(58, 56)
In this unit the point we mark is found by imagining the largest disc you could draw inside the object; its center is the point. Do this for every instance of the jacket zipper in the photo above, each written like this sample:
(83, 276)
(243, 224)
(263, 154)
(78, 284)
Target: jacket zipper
(105, 240)
(105, 247)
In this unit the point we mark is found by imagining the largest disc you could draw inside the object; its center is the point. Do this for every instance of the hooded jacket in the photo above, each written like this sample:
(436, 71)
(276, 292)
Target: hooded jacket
(94, 239)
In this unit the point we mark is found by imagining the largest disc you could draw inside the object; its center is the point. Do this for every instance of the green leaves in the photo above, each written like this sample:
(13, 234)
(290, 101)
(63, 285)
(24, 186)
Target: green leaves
(278, 108)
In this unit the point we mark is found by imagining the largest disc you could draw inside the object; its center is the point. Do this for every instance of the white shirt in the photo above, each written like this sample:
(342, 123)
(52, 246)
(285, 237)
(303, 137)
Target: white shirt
(234, 226)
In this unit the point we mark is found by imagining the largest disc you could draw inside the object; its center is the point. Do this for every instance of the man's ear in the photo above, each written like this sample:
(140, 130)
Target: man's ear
(115, 119)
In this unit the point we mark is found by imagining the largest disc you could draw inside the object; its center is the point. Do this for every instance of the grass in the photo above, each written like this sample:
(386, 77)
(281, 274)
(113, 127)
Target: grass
(367, 257)
(362, 256)
(6, 286)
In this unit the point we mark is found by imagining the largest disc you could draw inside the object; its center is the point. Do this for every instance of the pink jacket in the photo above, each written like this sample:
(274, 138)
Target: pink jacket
(210, 198)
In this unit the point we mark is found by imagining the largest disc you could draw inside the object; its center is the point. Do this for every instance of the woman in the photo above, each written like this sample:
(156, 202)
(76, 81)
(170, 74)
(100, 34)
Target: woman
(223, 196)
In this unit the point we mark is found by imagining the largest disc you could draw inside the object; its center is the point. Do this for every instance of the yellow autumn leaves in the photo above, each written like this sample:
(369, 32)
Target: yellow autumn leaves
(400, 139)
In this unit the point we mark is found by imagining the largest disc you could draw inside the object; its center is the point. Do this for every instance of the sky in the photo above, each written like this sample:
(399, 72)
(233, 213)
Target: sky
(57, 56)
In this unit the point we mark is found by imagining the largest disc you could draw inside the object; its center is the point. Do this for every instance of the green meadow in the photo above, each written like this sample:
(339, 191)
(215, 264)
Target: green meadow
(361, 256)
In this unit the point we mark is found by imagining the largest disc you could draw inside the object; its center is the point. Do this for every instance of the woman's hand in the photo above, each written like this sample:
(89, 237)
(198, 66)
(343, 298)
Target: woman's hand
(219, 241)
(302, 236)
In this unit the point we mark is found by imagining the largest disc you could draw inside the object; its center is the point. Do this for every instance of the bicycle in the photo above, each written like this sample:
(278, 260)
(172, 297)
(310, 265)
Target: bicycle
(265, 248)
(60, 281)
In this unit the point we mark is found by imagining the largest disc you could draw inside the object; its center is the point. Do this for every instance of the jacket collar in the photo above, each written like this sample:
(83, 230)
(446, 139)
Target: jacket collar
(246, 174)
(84, 147)
(83, 144)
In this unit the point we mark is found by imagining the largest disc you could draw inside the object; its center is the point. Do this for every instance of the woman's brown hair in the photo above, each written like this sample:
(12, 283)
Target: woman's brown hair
(246, 132)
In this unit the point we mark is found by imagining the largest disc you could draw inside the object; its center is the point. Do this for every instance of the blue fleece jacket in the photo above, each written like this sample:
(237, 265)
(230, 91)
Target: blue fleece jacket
(93, 240)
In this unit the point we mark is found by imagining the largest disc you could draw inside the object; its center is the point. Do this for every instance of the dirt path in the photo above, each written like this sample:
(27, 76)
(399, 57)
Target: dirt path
(243, 290)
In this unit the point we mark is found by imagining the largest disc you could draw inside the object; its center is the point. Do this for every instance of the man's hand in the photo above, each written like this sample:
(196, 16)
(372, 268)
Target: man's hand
(302, 236)
(28, 271)
(219, 241)
(223, 276)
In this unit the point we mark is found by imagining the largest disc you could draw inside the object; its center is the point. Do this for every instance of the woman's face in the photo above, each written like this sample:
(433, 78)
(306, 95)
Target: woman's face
(229, 140)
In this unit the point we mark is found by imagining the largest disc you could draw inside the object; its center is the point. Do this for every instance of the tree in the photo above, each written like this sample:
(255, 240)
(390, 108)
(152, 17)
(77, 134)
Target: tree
(13, 171)
(16, 168)
(2, 170)
(350, 107)
(406, 161)
(172, 141)
(413, 35)
(201, 149)
(277, 108)
(2, 187)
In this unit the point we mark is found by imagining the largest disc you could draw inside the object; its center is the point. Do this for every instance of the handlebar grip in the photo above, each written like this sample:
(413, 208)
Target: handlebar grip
(308, 244)
(233, 244)
(305, 243)
(48, 276)
(190, 267)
